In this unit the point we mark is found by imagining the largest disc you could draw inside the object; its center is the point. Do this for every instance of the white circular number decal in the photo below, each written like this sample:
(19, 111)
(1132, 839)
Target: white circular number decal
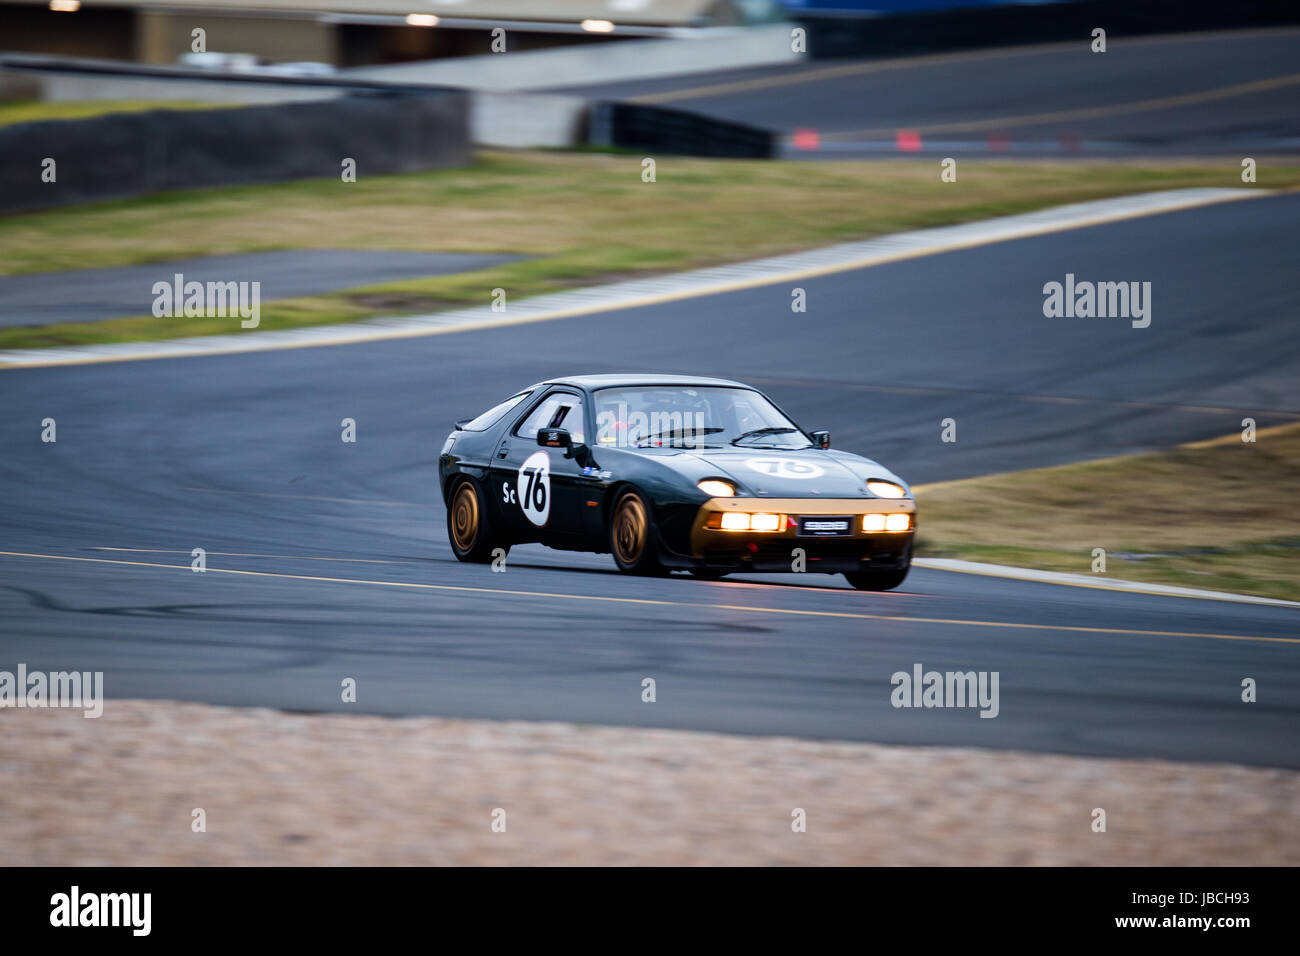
(535, 487)
(785, 468)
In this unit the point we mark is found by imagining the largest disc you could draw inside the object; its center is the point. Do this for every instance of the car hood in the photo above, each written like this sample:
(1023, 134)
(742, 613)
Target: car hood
(801, 473)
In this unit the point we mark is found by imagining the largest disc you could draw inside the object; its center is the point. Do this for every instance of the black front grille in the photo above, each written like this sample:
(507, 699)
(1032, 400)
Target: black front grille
(818, 554)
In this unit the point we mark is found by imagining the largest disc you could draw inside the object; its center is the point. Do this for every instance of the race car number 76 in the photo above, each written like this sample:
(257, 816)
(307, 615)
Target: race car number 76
(535, 488)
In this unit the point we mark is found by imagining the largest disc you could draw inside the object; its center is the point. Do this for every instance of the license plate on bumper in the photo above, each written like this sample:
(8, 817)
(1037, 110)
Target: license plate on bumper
(825, 526)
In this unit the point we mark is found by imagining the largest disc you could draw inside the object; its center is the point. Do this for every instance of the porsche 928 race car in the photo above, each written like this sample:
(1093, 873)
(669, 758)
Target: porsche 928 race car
(667, 472)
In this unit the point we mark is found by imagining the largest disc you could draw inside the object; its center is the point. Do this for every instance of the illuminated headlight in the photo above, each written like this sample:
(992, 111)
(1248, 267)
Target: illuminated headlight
(885, 489)
(900, 521)
(743, 521)
(715, 488)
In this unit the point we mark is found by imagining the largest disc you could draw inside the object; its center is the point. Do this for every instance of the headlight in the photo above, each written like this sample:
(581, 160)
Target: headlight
(716, 488)
(744, 521)
(899, 521)
(885, 489)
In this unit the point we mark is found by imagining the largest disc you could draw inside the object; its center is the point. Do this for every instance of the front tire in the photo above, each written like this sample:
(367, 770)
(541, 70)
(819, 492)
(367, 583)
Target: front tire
(632, 535)
(876, 580)
(469, 525)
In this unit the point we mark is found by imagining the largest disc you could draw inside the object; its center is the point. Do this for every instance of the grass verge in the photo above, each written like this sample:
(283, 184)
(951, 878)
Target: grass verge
(1219, 515)
(583, 217)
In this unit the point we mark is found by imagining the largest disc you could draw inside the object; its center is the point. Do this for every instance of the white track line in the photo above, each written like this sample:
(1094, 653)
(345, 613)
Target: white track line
(1089, 581)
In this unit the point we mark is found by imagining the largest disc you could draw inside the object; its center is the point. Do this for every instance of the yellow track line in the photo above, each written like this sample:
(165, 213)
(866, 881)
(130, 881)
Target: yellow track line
(252, 554)
(893, 618)
(1135, 588)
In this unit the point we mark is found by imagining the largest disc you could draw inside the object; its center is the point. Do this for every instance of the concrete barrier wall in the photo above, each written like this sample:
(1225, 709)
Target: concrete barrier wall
(527, 120)
(79, 87)
(722, 48)
(130, 154)
(63, 78)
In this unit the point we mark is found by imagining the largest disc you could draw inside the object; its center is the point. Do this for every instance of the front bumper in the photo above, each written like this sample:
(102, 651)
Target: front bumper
(791, 547)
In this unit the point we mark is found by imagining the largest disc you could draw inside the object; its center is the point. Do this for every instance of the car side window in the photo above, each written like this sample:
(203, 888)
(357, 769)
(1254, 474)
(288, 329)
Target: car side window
(494, 414)
(557, 410)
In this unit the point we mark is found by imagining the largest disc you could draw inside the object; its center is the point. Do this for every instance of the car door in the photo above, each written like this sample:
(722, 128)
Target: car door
(539, 488)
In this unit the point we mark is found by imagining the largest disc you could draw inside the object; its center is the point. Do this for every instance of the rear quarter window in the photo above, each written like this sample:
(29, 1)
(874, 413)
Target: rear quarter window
(494, 414)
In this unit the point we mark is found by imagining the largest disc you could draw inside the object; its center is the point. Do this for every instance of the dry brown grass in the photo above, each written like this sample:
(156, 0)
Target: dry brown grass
(544, 203)
(1221, 515)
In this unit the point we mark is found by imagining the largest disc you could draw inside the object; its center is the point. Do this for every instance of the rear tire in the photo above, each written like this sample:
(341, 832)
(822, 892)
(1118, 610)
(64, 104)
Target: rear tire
(469, 525)
(877, 580)
(632, 538)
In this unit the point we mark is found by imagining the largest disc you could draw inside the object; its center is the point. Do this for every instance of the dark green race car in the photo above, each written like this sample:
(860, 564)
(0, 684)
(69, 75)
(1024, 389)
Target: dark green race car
(669, 472)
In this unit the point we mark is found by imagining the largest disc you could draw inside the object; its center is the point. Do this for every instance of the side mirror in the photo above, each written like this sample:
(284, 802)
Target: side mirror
(822, 439)
(560, 438)
(554, 438)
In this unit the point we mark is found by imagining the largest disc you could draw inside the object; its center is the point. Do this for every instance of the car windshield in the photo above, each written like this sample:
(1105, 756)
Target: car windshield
(677, 416)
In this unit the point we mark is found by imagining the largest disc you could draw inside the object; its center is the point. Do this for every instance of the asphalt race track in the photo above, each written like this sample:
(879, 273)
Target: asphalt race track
(1212, 93)
(344, 570)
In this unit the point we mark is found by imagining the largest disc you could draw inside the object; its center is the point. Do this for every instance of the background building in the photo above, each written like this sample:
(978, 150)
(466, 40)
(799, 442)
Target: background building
(344, 33)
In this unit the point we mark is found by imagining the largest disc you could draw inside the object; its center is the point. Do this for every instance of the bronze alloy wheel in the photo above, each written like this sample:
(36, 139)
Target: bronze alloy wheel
(628, 530)
(464, 518)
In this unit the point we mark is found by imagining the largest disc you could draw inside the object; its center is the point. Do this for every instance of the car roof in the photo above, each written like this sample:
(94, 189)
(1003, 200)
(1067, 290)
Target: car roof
(648, 378)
